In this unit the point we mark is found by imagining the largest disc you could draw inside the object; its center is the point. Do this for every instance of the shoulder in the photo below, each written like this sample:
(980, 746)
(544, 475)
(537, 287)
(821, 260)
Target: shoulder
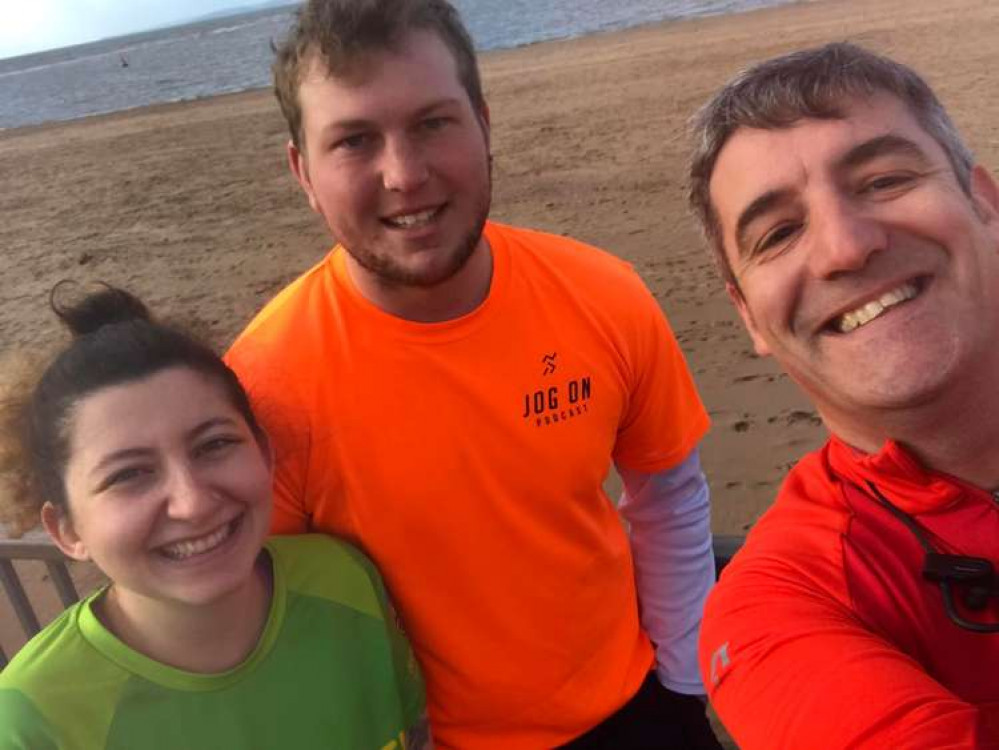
(57, 674)
(567, 254)
(49, 654)
(793, 553)
(281, 318)
(804, 528)
(321, 566)
(275, 356)
(576, 277)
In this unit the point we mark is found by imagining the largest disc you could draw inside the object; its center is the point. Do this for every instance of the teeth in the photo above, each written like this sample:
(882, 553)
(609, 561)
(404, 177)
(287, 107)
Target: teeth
(411, 220)
(191, 547)
(862, 315)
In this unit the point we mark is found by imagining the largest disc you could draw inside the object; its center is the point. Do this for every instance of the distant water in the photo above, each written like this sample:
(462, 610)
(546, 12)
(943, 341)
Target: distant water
(233, 54)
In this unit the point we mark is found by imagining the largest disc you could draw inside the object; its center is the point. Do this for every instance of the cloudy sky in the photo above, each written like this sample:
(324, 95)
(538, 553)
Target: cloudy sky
(34, 25)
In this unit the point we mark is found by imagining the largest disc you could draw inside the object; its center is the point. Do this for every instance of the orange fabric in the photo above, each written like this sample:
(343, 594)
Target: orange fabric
(794, 658)
(467, 458)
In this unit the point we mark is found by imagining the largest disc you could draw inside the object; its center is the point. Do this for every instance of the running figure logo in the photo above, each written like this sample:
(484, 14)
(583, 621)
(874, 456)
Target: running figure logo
(549, 362)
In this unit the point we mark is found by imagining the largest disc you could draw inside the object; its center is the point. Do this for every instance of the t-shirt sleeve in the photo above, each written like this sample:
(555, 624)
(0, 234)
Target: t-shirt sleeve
(22, 726)
(787, 666)
(287, 430)
(665, 418)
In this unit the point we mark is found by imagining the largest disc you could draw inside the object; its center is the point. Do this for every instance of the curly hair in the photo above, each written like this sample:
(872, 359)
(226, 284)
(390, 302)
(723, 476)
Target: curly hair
(115, 341)
(20, 506)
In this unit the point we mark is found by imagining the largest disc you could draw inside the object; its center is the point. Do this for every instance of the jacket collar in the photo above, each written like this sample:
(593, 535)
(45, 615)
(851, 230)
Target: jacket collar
(899, 475)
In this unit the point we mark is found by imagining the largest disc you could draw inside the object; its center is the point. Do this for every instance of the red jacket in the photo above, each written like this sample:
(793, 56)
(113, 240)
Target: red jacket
(822, 633)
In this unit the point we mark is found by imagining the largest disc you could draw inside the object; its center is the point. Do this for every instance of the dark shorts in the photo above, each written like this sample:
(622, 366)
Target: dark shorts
(654, 719)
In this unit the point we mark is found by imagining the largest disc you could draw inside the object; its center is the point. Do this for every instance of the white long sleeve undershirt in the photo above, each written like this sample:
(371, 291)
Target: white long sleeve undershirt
(669, 516)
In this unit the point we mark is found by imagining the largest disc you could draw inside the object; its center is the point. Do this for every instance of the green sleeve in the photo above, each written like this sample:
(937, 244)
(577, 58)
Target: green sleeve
(24, 727)
(409, 682)
(407, 672)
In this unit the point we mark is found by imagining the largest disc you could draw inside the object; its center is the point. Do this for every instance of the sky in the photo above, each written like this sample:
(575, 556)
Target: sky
(35, 25)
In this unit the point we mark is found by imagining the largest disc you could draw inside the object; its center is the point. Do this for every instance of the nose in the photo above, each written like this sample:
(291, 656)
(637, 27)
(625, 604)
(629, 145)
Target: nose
(847, 235)
(189, 496)
(404, 165)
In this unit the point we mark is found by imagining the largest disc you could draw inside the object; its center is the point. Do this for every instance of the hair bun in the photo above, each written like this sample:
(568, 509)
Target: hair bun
(105, 307)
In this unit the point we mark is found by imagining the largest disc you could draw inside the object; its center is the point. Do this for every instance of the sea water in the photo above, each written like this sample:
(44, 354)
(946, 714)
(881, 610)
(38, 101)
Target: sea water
(234, 54)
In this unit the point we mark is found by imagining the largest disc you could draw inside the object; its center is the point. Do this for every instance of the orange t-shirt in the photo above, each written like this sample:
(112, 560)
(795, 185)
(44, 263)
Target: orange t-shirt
(467, 459)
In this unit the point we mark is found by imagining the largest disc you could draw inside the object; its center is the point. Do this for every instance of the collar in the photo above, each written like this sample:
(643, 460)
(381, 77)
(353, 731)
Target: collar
(899, 475)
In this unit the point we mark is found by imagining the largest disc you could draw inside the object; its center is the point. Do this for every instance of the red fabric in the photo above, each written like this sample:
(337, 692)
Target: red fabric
(822, 632)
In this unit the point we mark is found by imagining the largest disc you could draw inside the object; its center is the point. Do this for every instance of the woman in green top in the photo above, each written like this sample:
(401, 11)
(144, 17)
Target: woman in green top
(138, 449)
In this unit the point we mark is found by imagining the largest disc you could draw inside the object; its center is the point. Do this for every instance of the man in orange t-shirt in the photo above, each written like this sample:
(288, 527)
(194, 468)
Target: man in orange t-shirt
(449, 394)
(860, 243)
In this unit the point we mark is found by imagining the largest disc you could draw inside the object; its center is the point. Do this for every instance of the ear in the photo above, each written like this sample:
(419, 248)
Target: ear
(735, 294)
(60, 527)
(985, 195)
(300, 168)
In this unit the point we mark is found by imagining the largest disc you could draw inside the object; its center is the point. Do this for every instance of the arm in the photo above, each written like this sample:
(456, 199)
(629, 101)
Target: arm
(674, 564)
(789, 666)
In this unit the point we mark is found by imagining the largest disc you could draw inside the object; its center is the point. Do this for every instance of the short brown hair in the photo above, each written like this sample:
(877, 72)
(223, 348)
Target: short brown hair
(812, 83)
(339, 33)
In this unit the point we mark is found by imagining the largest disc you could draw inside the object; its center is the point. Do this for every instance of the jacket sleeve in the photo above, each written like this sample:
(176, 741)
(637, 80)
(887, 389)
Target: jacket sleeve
(670, 529)
(789, 666)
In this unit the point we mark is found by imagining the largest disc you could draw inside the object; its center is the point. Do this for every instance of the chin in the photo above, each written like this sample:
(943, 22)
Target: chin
(914, 389)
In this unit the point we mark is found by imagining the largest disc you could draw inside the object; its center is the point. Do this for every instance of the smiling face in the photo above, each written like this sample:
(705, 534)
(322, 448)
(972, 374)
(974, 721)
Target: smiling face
(396, 161)
(861, 264)
(168, 489)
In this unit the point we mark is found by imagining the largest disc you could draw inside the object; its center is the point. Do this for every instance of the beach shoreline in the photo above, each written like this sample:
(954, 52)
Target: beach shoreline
(190, 204)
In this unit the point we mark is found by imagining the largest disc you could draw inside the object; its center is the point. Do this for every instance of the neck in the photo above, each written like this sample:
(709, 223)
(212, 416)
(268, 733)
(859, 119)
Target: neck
(207, 638)
(953, 433)
(452, 298)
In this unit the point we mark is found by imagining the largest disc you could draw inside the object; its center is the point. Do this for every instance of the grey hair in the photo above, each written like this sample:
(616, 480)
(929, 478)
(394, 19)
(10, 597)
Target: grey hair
(812, 83)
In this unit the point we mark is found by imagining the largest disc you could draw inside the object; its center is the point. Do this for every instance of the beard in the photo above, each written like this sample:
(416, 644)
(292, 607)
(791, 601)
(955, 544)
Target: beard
(391, 273)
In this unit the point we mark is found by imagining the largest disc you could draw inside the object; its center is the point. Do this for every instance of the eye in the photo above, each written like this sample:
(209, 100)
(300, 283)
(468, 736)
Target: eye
(216, 446)
(776, 237)
(434, 124)
(887, 183)
(127, 476)
(352, 142)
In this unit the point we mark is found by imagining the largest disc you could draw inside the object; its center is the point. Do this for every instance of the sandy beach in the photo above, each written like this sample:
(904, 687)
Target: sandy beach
(192, 207)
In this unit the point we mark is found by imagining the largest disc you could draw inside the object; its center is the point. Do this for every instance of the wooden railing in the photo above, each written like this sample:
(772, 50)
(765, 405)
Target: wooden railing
(35, 545)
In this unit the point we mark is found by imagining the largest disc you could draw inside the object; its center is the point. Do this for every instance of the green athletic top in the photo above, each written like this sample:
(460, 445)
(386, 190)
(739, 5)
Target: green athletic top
(331, 670)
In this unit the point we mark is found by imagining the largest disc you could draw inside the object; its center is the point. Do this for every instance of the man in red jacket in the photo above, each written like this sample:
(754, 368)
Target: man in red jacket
(859, 241)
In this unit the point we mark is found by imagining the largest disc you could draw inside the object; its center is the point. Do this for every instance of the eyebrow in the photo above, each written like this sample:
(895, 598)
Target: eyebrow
(862, 153)
(882, 145)
(127, 453)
